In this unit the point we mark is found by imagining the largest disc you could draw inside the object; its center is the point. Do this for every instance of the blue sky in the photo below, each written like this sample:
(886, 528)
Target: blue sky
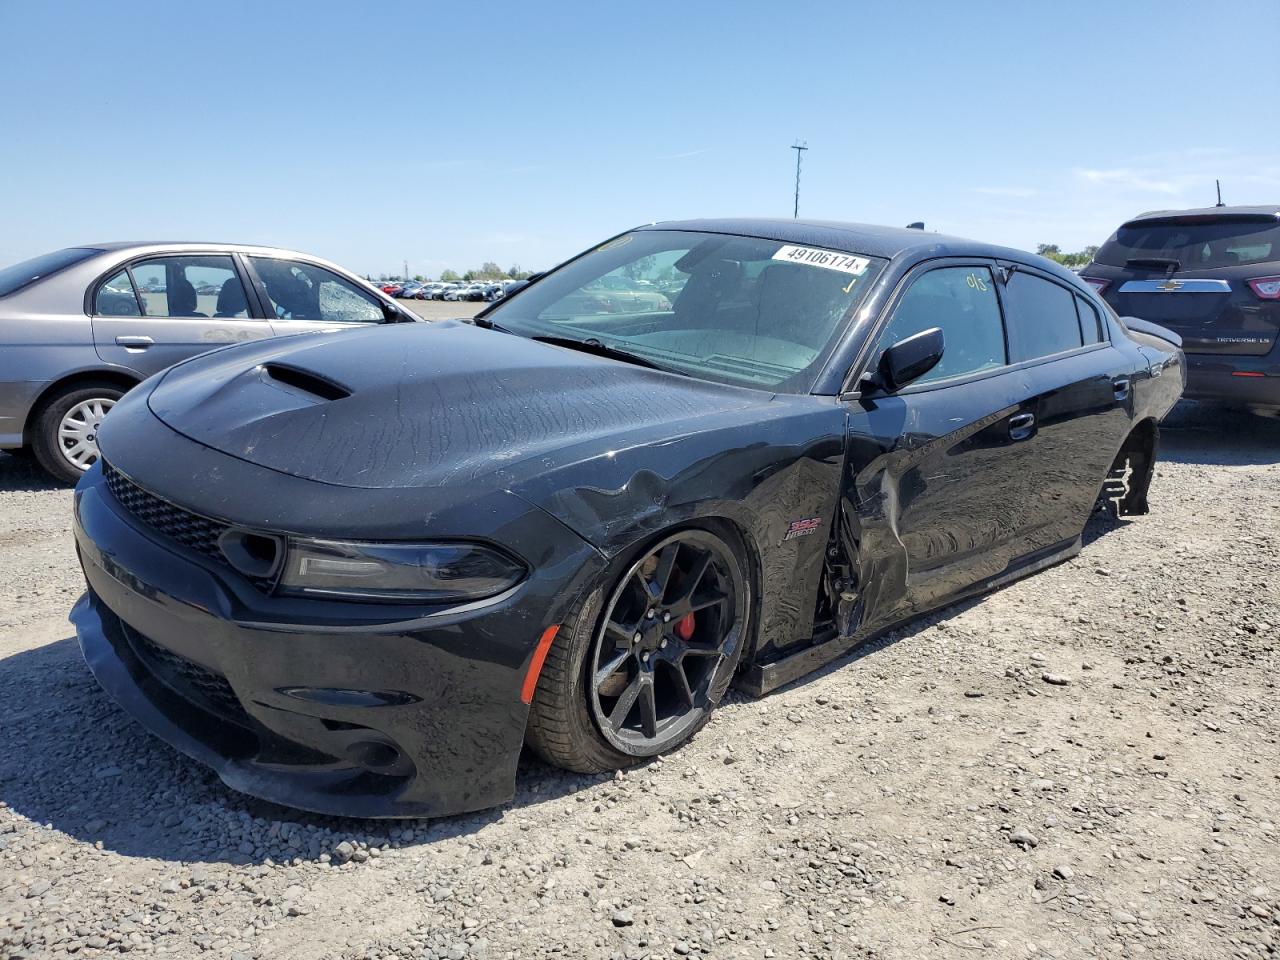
(446, 134)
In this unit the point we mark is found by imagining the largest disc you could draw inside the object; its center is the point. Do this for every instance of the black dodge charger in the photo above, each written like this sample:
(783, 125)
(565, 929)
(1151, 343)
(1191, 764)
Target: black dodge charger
(356, 572)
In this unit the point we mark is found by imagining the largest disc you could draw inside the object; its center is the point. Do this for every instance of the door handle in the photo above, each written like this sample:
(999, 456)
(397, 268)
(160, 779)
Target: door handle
(1021, 426)
(1121, 388)
(134, 343)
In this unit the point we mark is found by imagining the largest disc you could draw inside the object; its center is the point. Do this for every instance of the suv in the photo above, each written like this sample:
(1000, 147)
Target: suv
(1213, 276)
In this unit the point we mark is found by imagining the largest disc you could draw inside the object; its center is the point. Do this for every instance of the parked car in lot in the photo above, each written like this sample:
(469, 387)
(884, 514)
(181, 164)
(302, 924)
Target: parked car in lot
(355, 575)
(1213, 276)
(430, 291)
(409, 291)
(392, 287)
(453, 291)
(80, 326)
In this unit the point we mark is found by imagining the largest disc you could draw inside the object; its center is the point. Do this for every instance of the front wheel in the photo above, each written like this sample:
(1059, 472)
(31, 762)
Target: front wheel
(65, 434)
(641, 665)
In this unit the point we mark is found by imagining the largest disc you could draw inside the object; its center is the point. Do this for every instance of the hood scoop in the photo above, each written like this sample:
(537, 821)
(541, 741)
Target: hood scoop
(303, 381)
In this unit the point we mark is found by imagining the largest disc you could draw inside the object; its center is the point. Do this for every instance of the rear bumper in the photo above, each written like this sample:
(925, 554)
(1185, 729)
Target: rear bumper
(327, 713)
(1219, 378)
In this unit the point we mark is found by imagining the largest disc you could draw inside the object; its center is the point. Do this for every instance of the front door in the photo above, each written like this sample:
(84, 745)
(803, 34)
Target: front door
(937, 473)
(158, 311)
(306, 298)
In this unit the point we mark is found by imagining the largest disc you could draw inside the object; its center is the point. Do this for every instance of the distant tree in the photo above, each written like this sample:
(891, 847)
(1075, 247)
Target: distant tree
(490, 271)
(1078, 259)
(448, 276)
(514, 272)
(468, 276)
(418, 277)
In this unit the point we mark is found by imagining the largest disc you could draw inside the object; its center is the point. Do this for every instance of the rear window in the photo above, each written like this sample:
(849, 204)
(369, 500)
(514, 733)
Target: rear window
(1194, 246)
(13, 279)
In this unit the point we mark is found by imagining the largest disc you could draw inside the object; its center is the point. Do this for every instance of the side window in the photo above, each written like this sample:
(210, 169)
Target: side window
(1042, 317)
(962, 302)
(303, 291)
(1090, 322)
(115, 298)
(196, 286)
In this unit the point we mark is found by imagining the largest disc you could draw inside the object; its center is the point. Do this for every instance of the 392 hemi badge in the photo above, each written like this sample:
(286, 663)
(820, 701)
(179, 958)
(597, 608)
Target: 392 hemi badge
(802, 528)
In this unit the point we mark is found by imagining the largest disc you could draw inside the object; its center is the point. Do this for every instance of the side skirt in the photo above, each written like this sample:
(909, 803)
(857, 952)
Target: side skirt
(761, 678)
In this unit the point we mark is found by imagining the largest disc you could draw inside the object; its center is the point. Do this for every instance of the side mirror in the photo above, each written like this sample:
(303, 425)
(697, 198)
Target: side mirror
(392, 314)
(909, 360)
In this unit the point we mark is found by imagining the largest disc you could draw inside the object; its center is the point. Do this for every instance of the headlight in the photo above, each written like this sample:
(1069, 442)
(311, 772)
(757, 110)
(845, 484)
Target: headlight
(397, 572)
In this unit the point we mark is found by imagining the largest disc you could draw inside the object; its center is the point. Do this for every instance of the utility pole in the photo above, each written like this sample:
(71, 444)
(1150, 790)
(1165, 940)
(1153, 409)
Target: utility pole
(799, 147)
(406, 269)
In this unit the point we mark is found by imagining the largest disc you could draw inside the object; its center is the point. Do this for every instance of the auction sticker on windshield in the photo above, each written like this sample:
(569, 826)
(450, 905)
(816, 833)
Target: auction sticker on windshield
(829, 259)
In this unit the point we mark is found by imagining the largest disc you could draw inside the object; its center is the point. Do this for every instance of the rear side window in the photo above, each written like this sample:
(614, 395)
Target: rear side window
(961, 301)
(1193, 245)
(1041, 316)
(195, 286)
(13, 279)
(115, 298)
(1090, 321)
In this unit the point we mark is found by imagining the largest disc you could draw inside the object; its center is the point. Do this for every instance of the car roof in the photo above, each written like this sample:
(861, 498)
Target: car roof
(867, 239)
(116, 246)
(1257, 210)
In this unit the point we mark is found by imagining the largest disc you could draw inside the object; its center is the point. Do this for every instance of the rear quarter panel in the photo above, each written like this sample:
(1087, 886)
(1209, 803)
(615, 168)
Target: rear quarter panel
(35, 350)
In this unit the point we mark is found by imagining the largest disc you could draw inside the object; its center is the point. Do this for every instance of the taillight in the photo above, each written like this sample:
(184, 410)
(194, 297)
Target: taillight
(1097, 283)
(1265, 288)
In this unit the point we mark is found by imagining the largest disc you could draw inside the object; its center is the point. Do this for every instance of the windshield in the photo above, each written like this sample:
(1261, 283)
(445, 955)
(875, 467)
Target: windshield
(1194, 245)
(738, 310)
(13, 279)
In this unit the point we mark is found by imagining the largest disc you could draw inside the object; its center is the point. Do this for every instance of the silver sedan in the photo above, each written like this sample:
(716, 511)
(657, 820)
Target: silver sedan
(80, 326)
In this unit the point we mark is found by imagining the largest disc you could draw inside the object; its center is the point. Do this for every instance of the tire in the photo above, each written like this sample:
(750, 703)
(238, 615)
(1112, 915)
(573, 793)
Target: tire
(47, 427)
(678, 666)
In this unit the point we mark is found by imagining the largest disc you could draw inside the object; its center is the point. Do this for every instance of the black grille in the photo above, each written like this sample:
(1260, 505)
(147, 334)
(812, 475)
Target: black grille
(189, 679)
(189, 529)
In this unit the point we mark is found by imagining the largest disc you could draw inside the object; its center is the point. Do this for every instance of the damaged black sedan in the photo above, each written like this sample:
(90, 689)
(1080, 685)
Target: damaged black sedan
(355, 573)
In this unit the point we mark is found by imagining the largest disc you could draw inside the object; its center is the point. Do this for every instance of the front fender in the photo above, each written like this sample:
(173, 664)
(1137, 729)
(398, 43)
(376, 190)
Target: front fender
(763, 474)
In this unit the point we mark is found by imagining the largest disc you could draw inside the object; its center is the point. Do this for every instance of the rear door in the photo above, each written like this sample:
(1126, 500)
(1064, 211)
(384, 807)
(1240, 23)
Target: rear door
(1192, 274)
(303, 297)
(1079, 393)
(156, 311)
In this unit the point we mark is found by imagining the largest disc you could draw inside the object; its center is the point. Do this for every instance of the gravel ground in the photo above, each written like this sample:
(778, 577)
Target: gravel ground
(1083, 764)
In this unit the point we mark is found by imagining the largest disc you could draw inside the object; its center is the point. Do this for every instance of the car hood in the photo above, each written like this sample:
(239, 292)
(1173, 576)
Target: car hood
(422, 405)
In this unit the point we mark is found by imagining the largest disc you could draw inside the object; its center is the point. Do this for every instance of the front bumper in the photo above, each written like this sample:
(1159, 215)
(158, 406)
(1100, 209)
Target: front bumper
(324, 706)
(1217, 378)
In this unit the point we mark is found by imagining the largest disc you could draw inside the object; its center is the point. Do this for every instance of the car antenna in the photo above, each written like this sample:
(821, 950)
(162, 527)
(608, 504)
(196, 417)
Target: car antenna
(1218, 184)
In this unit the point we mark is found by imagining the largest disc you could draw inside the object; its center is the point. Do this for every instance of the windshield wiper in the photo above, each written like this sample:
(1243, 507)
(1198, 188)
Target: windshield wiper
(594, 346)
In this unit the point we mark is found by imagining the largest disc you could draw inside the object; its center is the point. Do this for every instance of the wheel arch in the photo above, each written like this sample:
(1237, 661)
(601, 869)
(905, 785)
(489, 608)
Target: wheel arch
(1140, 447)
(126, 381)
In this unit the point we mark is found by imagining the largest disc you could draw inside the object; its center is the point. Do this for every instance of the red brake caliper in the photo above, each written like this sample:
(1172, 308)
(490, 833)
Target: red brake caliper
(684, 628)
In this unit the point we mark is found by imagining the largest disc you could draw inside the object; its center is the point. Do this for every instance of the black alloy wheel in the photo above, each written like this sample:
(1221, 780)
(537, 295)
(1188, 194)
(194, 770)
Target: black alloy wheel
(657, 654)
(663, 641)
